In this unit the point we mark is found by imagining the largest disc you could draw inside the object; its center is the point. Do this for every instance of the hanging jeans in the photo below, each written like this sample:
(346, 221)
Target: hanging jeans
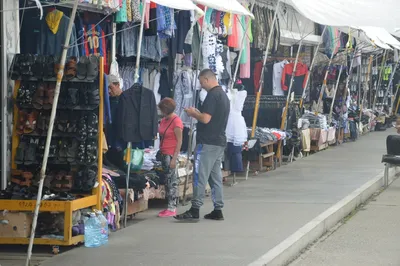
(171, 182)
(207, 167)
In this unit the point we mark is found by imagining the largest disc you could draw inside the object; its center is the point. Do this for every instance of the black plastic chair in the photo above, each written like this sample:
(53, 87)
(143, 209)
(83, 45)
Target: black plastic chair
(392, 158)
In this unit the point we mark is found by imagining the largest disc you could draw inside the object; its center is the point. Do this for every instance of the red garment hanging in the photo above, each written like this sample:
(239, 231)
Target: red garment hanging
(300, 77)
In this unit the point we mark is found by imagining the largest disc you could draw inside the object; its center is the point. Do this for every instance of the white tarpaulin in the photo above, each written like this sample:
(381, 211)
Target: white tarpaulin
(181, 4)
(357, 13)
(381, 35)
(231, 6)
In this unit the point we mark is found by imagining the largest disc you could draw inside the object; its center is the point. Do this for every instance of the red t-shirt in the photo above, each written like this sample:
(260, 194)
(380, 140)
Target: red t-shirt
(168, 142)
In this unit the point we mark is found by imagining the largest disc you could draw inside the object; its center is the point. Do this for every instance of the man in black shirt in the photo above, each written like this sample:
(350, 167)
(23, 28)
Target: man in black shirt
(211, 141)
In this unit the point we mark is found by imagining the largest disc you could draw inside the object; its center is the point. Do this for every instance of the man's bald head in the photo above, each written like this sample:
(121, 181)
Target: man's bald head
(208, 79)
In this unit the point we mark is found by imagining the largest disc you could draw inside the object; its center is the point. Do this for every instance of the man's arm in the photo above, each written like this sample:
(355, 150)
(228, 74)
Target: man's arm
(201, 117)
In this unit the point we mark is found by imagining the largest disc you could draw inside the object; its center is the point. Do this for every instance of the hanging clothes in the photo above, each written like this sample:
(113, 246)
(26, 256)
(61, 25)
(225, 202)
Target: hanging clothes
(184, 94)
(236, 130)
(53, 32)
(300, 77)
(137, 118)
(277, 78)
(95, 43)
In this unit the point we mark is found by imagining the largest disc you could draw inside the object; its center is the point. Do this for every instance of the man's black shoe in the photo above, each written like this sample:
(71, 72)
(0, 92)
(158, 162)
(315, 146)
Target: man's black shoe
(215, 215)
(190, 215)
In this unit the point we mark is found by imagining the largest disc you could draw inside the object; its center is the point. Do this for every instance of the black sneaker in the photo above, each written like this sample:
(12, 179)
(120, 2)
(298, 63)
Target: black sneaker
(189, 215)
(215, 215)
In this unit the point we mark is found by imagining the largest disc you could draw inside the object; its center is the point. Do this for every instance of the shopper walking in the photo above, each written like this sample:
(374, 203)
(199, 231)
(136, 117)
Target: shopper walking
(211, 141)
(170, 131)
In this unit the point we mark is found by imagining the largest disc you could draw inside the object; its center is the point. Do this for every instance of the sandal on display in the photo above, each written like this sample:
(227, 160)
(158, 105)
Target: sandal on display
(49, 96)
(38, 67)
(38, 97)
(20, 153)
(93, 95)
(48, 71)
(22, 117)
(91, 152)
(70, 68)
(30, 154)
(72, 100)
(31, 122)
(15, 72)
(82, 67)
(81, 158)
(92, 68)
(92, 125)
(42, 123)
(82, 128)
(72, 151)
(62, 150)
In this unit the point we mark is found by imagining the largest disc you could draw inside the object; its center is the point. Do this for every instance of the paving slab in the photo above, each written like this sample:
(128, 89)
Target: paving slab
(370, 237)
(259, 214)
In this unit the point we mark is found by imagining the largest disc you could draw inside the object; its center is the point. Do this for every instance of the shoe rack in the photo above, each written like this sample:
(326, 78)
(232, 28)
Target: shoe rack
(90, 199)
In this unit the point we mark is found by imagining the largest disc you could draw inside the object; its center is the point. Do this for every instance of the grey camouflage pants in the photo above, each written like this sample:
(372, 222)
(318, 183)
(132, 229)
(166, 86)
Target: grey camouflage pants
(171, 183)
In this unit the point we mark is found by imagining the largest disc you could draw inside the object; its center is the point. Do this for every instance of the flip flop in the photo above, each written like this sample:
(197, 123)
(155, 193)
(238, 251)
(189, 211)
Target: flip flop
(39, 66)
(92, 68)
(38, 97)
(70, 68)
(82, 67)
(49, 96)
(22, 117)
(31, 122)
(48, 71)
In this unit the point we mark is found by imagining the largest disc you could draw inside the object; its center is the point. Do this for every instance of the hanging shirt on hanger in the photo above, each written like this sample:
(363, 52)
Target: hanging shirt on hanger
(299, 78)
(277, 78)
(95, 42)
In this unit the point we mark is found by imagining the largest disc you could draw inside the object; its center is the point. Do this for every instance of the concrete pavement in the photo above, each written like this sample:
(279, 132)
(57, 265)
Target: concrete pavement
(259, 214)
(370, 237)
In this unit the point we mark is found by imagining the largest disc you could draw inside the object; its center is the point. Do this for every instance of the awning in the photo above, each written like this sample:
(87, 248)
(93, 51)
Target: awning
(374, 18)
(231, 6)
(380, 35)
(181, 4)
(358, 13)
(290, 38)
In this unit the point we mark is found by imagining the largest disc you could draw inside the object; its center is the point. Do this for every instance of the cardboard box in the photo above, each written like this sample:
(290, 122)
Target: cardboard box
(15, 224)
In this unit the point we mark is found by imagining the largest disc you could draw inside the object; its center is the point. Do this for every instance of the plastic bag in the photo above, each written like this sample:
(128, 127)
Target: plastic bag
(136, 159)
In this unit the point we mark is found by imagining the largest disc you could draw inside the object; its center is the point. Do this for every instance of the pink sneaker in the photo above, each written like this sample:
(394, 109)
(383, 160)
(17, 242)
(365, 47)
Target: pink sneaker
(167, 213)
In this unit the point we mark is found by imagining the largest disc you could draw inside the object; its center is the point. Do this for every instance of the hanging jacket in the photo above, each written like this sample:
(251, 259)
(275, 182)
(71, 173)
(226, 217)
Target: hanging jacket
(137, 118)
(53, 33)
(299, 78)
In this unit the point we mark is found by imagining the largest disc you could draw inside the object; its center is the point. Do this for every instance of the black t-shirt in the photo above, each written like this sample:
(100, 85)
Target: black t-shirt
(217, 105)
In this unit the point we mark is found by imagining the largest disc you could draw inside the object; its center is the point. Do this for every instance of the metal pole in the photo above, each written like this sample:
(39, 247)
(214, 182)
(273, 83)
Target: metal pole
(114, 41)
(285, 111)
(259, 92)
(380, 79)
(311, 69)
(136, 78)
(324, 83)
(390, 82)
(334, 95)
(191, 131)
(50, 130)
(366, 86)
(3, 93)
(346, 90)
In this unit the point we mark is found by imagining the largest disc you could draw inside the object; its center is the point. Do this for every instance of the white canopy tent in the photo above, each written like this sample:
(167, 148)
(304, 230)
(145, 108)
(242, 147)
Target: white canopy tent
(231, 6)
(181, 4)
(361, 13)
